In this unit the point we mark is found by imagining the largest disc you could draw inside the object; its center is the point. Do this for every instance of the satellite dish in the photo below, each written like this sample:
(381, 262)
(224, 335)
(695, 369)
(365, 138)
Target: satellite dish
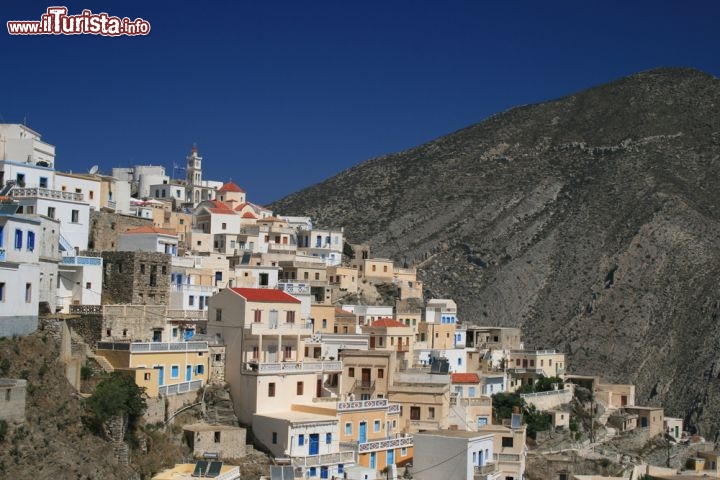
(93, 170)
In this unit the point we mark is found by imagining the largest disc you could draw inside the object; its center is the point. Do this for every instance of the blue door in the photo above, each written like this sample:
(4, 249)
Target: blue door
(373, 462)
(161, 375)
(314, 444)
(188, 373)
(323, 472)
(390, 457)
(363, 432)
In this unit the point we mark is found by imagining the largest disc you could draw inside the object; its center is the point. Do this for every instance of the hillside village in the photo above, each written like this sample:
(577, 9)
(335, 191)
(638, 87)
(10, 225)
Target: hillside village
(335, 363)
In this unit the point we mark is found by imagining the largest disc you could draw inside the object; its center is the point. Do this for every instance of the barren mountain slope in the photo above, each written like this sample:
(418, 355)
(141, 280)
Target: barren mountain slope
(592, 221)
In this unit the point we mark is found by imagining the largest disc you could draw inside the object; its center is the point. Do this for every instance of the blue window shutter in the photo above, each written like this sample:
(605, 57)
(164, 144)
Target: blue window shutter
(31, 241)
(18, 238)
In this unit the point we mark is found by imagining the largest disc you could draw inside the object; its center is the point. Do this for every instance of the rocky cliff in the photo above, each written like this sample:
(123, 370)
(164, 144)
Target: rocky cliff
(592, 221)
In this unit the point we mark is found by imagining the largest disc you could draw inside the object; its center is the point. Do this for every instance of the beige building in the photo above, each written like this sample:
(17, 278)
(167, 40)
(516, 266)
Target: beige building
(323, 318)
(366, 374)
(525, 367)
(390, 335)
(509, 451)
(378, 269)
(264, 336)
(424, 401)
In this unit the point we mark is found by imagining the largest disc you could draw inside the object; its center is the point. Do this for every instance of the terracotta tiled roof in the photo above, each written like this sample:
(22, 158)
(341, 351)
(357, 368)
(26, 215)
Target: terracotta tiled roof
(248, 215)
(387, 322)
(220, 207)
(265, 295)
(465, 378)
(148, 229)
(231, 187)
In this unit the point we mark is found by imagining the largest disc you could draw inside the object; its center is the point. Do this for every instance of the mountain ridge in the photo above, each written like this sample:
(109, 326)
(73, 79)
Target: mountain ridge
(590, 220)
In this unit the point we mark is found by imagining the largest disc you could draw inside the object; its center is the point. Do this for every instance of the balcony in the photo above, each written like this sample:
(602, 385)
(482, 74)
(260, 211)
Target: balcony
(279, 328)
(482, 470)
(26, 192)
(324, 459)
(148, 347)
(185, 288)
(86, 309)
(292, 367)
(191, 315)
(82, 261)
(179, 388)
(362, 405)
(398, 442)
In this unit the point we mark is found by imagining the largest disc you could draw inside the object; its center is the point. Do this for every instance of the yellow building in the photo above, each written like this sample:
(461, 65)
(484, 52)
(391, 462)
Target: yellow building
(323, 318)
(525, 367)
(161, 368)
(372, 427)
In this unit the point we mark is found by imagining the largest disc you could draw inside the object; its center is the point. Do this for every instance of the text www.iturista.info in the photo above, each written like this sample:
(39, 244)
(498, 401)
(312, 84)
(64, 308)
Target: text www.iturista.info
(56, 21)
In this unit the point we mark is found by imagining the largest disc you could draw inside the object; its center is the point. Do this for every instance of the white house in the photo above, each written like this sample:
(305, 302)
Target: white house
(148, 239)
(453, 455)
(25, 158)
(19, 273)
(88, 186)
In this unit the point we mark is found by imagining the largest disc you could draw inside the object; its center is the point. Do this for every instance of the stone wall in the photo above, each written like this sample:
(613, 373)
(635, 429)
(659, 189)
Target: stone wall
(105, 228)
(548, 400)
(216, 374)
(226, 441)
(89, 327)
(131, 322)
(12, 399)
(140, 278)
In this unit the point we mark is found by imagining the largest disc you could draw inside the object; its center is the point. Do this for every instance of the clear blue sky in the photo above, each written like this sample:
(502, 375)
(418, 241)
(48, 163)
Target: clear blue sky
(279, 95)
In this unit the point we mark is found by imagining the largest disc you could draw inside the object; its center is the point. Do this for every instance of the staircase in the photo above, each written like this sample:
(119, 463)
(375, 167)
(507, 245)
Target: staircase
(602, 419)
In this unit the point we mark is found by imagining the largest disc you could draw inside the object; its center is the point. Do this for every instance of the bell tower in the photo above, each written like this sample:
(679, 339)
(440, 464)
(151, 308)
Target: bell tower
(193, 172)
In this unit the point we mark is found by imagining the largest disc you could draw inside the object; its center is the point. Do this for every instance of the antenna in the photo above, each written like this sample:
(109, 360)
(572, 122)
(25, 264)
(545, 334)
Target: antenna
(93, 170)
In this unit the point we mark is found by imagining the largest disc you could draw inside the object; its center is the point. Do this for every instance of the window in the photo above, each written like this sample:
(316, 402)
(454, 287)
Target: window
(351, 372)
(20, 179)
(290, 318)
(191, 300)
(376, 426)
(224, 226)
(274, 437)
(217, 437)
(431, 413)
(258, 316)
(271, 389)
(381, 373)
(471, 391)
(43, 182)
(340, 468)
(414, 413)
(218, 315)
(2, 231)
(317, 275)
(18, 239)
(92, 194)
(288, 352)
(299, 388)
(28, 292)
(142, 268)
(348, 428)
(51, 212)
(75, 216)
(301, 440)
(31, 241)
(146, 376)
(313, 471)
(2, 291)
(174, 371)
(324, 323)
(88, 285)
(507, 441)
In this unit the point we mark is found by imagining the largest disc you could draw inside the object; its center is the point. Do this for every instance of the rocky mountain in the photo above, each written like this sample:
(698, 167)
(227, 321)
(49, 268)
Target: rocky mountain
(592, 221)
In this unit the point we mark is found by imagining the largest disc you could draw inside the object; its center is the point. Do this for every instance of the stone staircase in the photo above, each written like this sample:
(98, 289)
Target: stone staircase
(602, 419)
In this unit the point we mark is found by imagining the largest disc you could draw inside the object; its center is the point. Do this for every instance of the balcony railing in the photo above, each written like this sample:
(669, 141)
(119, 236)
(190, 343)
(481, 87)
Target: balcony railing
(289, 367)
(489, 467)
(178, 388)
(145, 347)
(324, 459)
(94, 261)
(86, 309)
(192, 288)
(362, 404)
(398, 442)
(177, 314)
(279, 328)
(46, 193)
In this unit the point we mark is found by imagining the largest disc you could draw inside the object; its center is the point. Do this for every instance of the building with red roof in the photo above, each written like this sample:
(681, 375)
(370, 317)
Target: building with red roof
(388, 334)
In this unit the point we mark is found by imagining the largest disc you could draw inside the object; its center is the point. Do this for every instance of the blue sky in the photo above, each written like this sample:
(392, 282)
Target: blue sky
(279, 95)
